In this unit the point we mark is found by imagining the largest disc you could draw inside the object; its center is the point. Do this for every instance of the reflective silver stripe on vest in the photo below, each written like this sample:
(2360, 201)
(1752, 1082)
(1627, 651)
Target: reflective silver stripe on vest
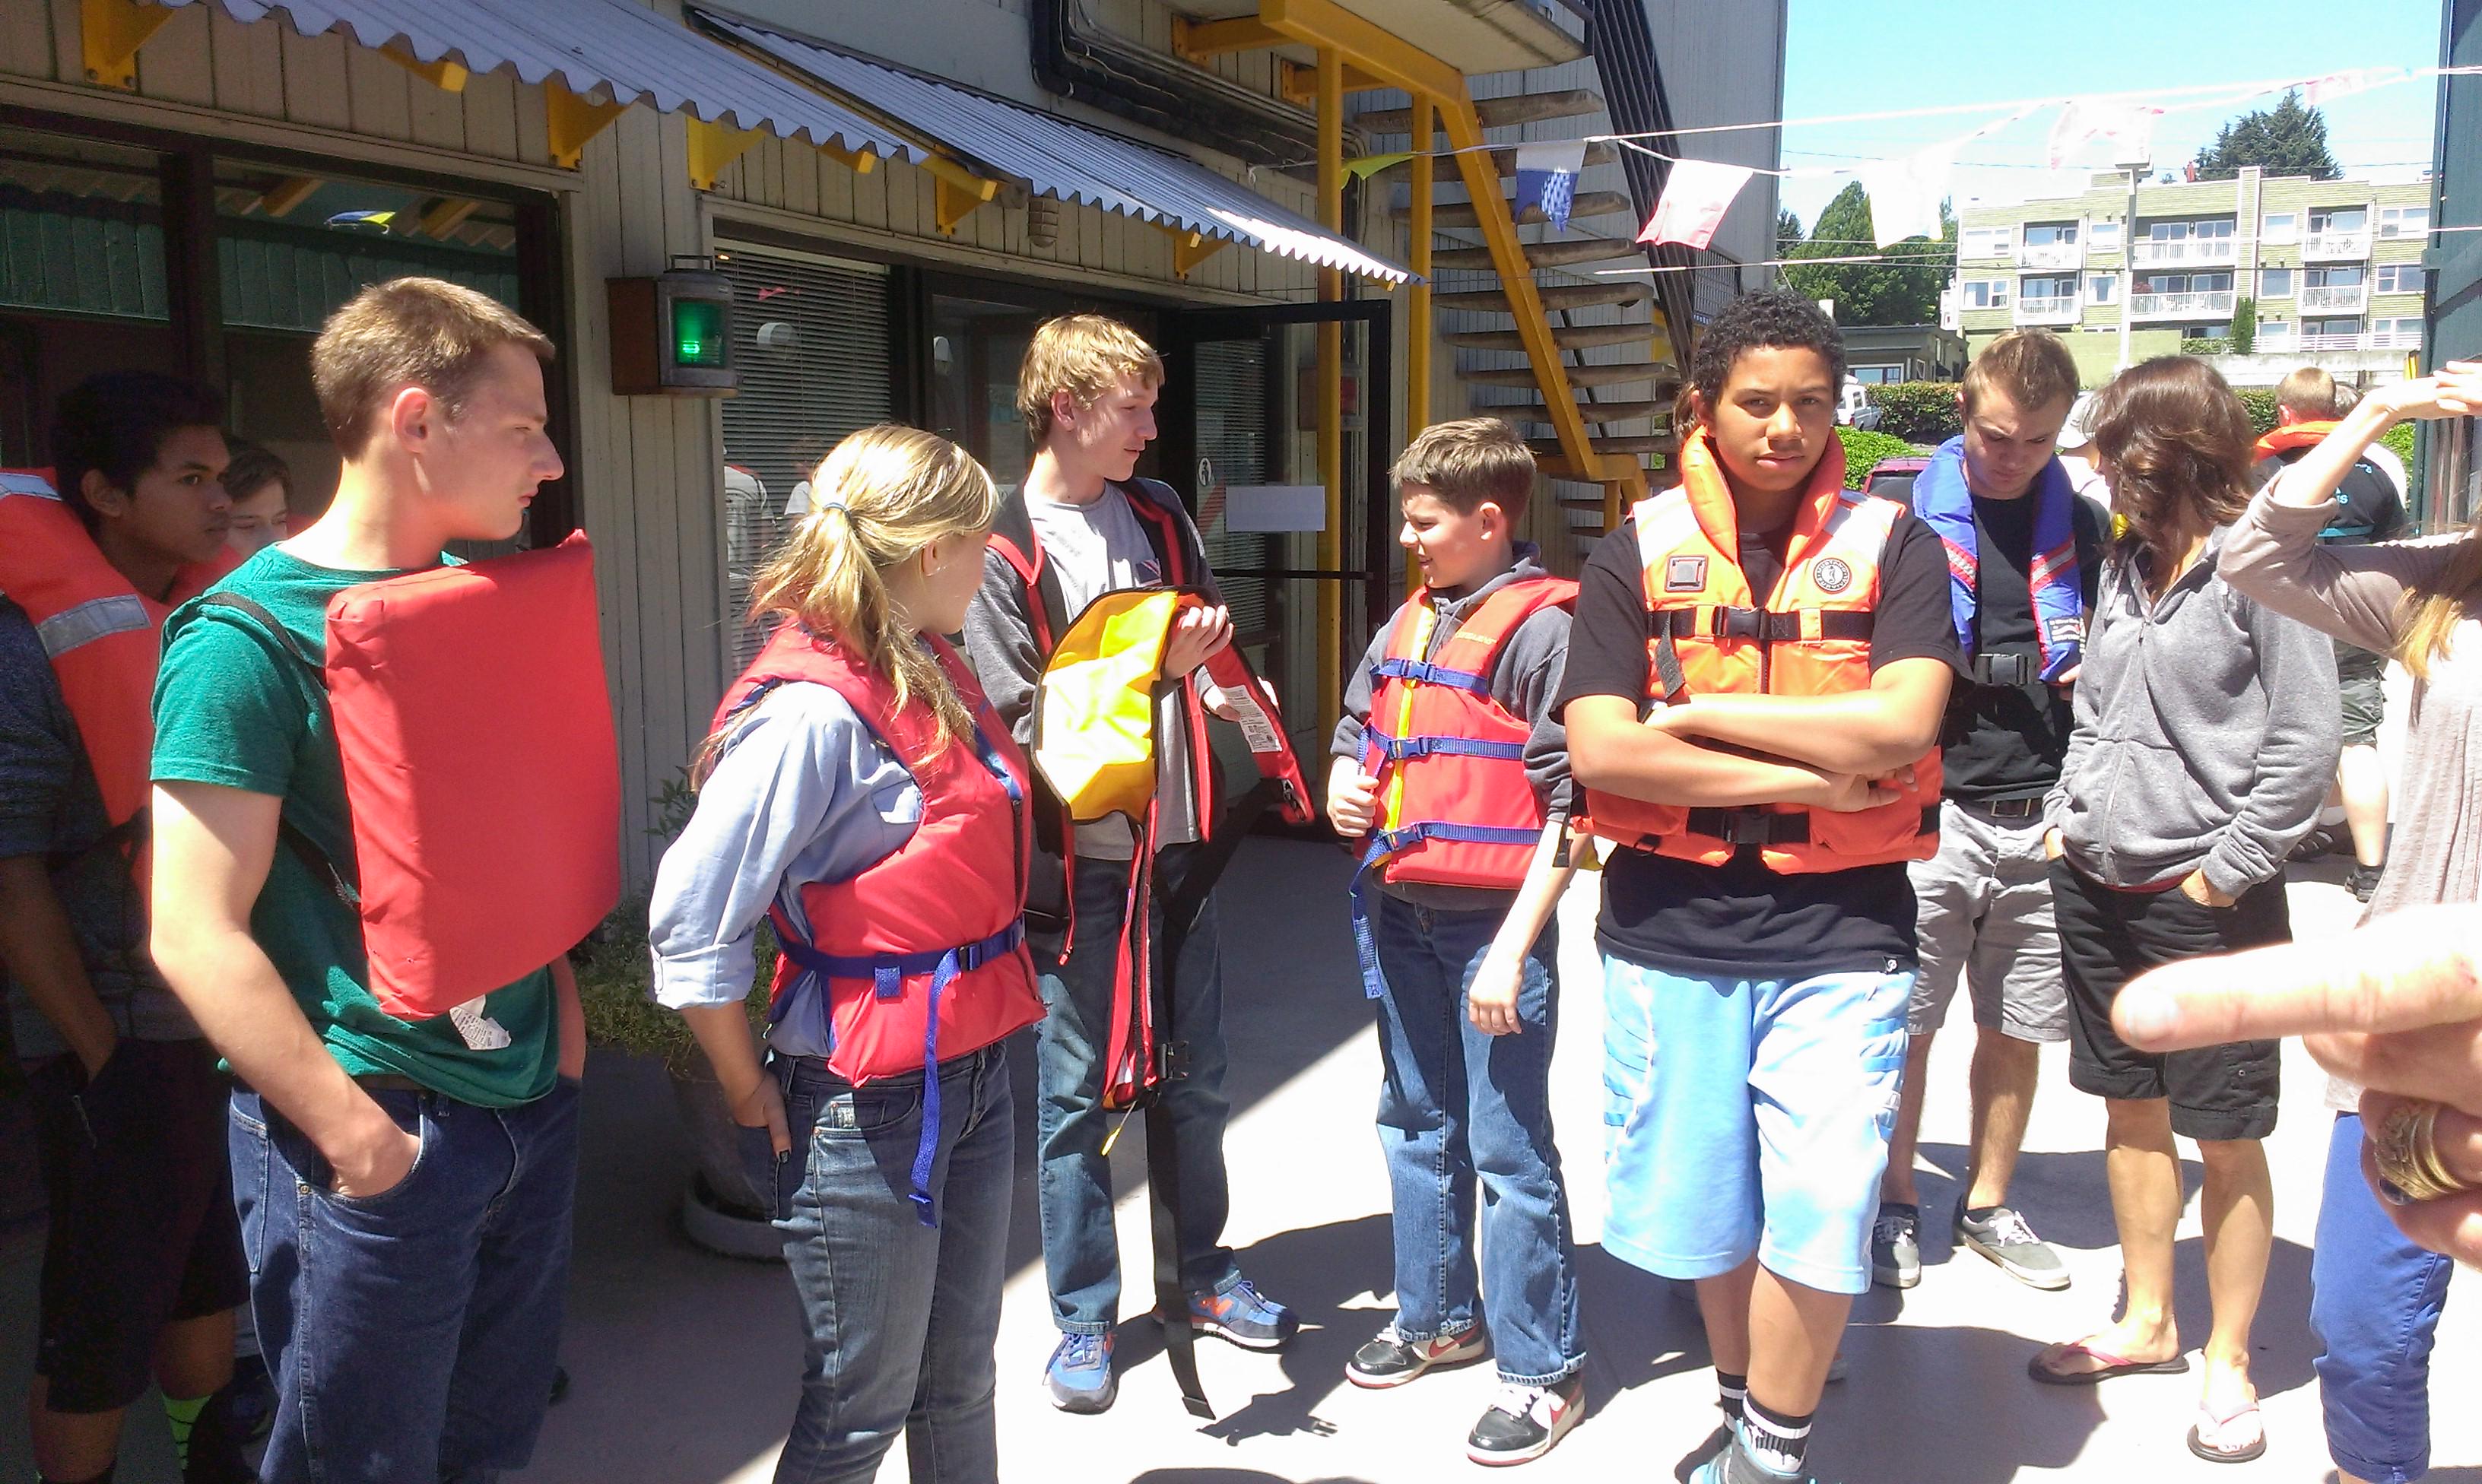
(94, 619)
(12, 482)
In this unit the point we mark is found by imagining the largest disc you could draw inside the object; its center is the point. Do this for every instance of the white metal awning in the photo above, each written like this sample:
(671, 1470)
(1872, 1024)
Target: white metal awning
(604, 53)
(1058, 158)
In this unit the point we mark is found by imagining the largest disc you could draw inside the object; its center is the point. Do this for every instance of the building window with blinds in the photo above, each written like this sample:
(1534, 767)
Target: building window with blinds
(811, 339)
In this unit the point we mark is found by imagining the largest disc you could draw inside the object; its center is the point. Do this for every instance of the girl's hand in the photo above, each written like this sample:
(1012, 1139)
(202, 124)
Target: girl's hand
(763, 1106)
(2453, 390)
(2054, 844)
(1490, 1002)
(1352, 800)
(2198, 889)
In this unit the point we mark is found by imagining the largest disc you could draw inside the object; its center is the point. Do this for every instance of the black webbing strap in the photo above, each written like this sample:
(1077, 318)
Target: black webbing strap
(343, 880)
(1713, 622)
(1765, 828)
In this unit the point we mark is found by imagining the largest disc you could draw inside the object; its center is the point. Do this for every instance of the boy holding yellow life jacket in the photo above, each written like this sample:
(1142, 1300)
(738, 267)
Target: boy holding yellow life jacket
(1756, 679)
(143, 1270)
(1448, 760)
(1117, 911)
(403, 1166)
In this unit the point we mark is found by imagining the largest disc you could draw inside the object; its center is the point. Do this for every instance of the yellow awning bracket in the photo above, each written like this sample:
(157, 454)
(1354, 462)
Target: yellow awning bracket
(444, 74)
(960, 192)
(861, 161)
(111, 32)
(572, 120)
(713, 147)
(1190, 248)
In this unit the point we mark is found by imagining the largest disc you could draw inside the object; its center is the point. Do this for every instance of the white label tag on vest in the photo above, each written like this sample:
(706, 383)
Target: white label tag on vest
(479, 1032)
(1257, 724)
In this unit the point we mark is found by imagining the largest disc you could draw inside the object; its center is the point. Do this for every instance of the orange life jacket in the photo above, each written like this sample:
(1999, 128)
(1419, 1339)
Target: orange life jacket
(1812, 637)
(2293, 435)
(919, 956)
(481, 770)
(103, 637)
(1456, 806)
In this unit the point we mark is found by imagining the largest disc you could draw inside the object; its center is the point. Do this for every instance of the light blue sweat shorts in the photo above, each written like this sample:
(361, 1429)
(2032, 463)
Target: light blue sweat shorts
(1748, 1117)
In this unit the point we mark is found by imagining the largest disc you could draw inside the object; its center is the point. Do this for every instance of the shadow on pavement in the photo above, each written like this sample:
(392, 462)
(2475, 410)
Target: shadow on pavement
(1236, 1476)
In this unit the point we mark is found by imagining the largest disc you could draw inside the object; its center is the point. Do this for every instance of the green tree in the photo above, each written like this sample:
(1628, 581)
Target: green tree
(2289, 138)
(1902, 289)
(2244, 333)
(1787, 233)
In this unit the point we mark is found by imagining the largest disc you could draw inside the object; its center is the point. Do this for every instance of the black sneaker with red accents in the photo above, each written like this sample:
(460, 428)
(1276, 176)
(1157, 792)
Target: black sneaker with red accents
(1524, 1422)
(1389, 1359)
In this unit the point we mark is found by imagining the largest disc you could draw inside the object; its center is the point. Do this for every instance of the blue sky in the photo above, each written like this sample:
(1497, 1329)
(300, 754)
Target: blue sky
(1845, 57)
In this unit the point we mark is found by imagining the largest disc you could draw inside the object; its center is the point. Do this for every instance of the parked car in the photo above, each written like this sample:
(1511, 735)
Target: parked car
(1893, 477)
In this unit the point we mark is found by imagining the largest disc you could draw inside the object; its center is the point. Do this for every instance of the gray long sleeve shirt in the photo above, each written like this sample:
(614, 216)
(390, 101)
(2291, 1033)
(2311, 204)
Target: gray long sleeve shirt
(1525, 681)
(2207, 734)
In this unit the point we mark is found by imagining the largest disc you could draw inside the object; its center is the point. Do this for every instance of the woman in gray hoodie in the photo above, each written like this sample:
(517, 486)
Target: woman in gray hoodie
(2205, 735)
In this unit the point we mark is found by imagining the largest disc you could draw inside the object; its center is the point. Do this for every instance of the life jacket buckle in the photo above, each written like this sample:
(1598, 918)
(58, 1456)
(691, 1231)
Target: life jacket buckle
(1747, 827)
(1172, 1058)
(1740, 623)
(2013, 669)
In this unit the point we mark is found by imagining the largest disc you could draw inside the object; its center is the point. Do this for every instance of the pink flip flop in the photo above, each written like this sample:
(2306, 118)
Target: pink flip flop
(2043, 1365)
(2207, 1438)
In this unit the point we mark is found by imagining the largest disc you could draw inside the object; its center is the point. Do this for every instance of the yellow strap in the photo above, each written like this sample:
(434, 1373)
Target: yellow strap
(1393, 814)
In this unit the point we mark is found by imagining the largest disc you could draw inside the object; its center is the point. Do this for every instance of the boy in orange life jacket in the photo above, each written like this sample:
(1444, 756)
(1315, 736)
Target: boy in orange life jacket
(406, 1186)
(143, 1268)
(1083, 525)
(1447, 759)
(1753, 697)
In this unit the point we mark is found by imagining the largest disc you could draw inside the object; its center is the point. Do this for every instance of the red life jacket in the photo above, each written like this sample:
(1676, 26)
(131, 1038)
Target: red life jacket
(102, 636)
(1456, 806)
(2293, 435)
(920, 957)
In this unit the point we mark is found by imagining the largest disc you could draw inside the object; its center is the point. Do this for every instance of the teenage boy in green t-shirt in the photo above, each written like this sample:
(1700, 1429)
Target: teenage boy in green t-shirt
(434, 1159)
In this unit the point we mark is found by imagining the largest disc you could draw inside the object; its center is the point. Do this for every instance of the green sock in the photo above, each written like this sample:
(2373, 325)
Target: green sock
(184, 1416)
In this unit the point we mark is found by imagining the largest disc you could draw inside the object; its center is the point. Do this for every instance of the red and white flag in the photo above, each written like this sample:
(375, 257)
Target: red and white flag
(2335, 85)
(1696, 195)
(2130, 126)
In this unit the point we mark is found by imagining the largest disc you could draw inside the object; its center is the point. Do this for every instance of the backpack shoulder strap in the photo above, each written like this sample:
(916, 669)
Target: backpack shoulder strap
(259, 618)
(341, 878)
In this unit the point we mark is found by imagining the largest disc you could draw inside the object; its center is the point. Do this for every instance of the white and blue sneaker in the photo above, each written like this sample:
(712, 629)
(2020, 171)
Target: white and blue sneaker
(1079, 1375)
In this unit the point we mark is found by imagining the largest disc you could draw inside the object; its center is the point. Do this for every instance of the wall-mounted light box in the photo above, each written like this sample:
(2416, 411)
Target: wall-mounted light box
(672, 334)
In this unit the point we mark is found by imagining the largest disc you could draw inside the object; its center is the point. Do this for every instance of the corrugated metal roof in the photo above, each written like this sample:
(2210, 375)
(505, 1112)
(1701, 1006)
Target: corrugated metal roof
(1068, 160)
(595, 48)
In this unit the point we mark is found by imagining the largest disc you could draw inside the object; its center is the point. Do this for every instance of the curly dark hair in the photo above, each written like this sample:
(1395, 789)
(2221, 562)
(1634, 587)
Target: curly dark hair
(1756, 322)
(116, 421)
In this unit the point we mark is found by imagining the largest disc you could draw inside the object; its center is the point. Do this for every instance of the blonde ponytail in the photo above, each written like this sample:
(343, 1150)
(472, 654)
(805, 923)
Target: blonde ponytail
(880, 497)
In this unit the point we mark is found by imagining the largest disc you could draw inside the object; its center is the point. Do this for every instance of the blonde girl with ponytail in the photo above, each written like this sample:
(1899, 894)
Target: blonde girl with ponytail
(857, 792)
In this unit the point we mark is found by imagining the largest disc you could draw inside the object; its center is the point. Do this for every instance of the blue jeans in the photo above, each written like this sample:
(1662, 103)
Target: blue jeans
(2375, 1300)
(412, 1334)
(901, 1316)
(1081, 1251)
(1454, 1104)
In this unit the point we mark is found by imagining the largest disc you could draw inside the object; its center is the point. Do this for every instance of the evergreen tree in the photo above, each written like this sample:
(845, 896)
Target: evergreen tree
(1787, 233)
(2289, 138)
(1903, 290)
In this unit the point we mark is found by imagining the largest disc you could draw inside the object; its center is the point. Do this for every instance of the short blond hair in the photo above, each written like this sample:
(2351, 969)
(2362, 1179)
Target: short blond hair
(2309, 393)
(2032, 367)
(1082, 354)
(423, 332)
(1467, 462)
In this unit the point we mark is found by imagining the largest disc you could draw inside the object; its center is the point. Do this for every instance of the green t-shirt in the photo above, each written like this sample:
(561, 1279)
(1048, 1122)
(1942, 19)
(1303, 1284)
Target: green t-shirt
(233, 706)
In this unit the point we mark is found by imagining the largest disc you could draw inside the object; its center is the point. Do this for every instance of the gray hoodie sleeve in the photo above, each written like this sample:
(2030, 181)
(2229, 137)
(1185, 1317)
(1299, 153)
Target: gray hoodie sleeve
(1538, 661)
(1347, 743)
(1000, 645)
(2086, 711)
(2296, 761)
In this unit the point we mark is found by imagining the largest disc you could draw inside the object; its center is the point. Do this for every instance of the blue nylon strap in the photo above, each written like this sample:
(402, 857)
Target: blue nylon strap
(927, 1152)
(1386, 842)
(1422, 673)
(1399, 748)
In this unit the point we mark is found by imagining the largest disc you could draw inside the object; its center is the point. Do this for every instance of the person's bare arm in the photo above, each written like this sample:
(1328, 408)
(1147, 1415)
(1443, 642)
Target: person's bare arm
(723, 1032)
(571, 1013)
(1491, 1002)
(1873, 731)
(212, 847)
(1611, 751)
(40, 950)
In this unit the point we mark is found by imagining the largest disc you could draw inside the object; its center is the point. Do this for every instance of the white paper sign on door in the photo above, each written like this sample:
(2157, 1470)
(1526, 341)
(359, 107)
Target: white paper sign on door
(1274, 507)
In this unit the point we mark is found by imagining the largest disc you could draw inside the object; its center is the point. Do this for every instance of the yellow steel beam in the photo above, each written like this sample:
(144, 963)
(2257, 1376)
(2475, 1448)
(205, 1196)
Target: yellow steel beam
(445, 76)
(111, 32)
(1420, 334)
(292, 191)
(713, 147)
(1382, 54)
(446, 215)
(572, 120)
(1300, 83)
(1203, 40)
(1331, 391)
(960, 192)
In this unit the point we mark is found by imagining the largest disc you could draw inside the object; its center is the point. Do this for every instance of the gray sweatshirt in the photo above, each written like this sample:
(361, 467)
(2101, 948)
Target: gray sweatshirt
(2207, 734)
(1525, 680)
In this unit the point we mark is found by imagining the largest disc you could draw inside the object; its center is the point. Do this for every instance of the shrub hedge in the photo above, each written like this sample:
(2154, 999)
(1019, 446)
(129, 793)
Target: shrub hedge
(1862, 452)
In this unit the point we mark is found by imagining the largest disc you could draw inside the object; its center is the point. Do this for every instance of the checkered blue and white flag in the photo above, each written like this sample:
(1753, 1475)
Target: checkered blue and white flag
(1546, 177)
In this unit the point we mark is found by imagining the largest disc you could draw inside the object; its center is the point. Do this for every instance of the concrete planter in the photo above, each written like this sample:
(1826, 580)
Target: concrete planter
(719, 1212)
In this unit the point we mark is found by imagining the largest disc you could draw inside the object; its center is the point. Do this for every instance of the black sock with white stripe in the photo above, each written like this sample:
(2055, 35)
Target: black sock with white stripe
(1777, 1439)
(1730, 1391)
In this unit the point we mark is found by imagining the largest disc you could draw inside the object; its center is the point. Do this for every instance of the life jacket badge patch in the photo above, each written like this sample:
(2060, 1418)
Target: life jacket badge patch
(1684, 574)
(1831, 574)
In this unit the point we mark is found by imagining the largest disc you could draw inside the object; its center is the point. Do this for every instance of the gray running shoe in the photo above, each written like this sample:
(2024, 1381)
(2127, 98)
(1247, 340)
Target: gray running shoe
(1896, 1246)
(2002, 1235)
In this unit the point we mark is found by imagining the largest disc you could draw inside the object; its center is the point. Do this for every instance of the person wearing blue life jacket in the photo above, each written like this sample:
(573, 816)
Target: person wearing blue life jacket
(2023, 550)
(857, 793)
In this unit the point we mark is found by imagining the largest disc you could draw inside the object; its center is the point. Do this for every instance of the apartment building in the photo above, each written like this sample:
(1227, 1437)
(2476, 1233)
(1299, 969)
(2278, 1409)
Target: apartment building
(2332, 268)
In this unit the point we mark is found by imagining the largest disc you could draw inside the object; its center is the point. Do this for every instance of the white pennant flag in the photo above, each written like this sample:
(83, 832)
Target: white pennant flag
(2131, 128)
(1696, 195)
(2336, 85)
(1905, 195)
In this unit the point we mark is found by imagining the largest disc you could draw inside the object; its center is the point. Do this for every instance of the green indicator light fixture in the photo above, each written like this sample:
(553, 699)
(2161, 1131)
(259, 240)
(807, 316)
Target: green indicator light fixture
(672, 334)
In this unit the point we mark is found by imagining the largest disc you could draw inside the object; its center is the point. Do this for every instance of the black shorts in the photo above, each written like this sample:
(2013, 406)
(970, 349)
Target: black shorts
(140, 1177)
(2108, 937)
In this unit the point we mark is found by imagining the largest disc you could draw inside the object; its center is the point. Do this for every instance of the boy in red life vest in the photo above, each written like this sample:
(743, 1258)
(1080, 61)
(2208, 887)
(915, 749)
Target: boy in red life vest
(1083, 525)
(143, 1270)
(2023, 551)
(2371, 502)
(405, 1186)
(1754, 683)
(1437, 764)
(861, 794)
